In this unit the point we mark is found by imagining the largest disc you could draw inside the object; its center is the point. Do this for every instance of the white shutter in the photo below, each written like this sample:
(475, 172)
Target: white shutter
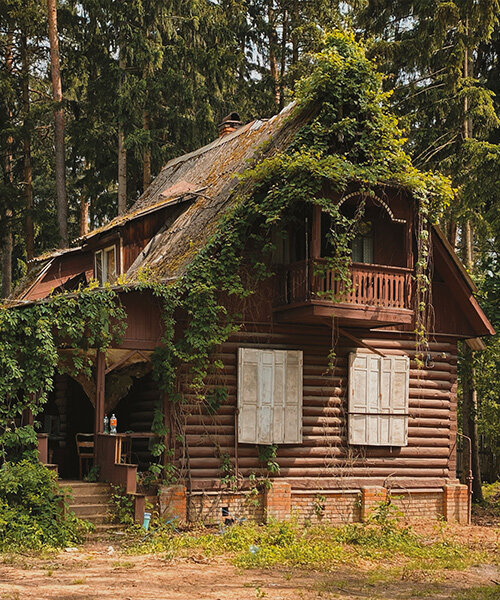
(269, 396)
(398, 393)
(248, 392)
(378, 400)
(280, 374)
(265, 398)
(363, 399)
(293, 398)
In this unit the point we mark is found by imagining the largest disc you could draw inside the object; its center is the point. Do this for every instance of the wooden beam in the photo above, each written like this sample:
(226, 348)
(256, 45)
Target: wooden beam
(100, 392)
(360, 342)
(120, 362)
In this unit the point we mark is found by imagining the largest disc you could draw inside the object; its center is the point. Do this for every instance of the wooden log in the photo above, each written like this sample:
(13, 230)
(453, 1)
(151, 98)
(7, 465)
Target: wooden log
(325, 452)
(323, 462)
(370, 472)
(421, 432)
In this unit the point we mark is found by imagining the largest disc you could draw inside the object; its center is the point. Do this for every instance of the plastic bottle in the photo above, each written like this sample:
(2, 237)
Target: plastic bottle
(113, 423)
(106, 424)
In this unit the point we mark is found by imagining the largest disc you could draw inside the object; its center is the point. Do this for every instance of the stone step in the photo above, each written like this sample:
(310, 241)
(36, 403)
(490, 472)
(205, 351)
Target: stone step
(97, 519)
(84, 510)
(96, 498)
(83, 485)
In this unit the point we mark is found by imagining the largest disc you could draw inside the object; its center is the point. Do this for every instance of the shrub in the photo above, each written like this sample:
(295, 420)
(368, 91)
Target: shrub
(32, 509)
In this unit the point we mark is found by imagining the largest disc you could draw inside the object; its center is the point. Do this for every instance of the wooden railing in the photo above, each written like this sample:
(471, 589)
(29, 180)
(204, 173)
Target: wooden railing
(372, 285)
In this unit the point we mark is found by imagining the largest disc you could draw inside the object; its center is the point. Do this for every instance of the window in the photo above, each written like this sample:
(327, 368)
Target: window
(378, 399)
(105, 265)
(269, 396)
(362, 245)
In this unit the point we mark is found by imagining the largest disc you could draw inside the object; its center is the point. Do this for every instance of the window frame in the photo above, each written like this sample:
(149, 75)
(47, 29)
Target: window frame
(101, 255)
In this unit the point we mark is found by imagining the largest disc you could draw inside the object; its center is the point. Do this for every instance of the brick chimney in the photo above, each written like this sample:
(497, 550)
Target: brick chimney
(229, 124)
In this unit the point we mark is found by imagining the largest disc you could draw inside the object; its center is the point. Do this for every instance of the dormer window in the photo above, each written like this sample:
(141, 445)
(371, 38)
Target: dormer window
(362, 245)
(105, 262)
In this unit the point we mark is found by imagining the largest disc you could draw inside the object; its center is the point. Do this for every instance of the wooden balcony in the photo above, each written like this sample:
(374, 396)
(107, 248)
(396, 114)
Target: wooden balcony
(307, 292)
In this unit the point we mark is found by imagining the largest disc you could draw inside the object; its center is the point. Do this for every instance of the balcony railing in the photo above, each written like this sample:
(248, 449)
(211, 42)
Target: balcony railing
(372, 285)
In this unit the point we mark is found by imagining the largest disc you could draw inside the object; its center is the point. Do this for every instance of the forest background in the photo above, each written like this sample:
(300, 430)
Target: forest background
(97, 95)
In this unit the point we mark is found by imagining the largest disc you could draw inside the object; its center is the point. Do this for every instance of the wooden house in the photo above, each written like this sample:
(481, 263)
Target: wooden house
(333, 435)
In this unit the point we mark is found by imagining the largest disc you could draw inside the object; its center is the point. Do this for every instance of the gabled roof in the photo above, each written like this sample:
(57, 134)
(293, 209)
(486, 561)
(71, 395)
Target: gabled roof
(209, 176)
(205, 180)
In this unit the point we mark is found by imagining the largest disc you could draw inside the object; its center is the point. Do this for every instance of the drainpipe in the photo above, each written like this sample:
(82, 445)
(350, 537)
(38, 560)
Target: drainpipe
(469, 479)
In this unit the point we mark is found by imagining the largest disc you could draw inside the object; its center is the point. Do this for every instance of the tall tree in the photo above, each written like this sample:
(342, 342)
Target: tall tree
(9, 180)
(60, 162)
(431, 51)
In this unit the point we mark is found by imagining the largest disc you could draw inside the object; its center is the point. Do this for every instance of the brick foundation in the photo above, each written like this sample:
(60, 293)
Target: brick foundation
(333, 506)
(278, 501)
(455, 503)
(217, 507)
(173, 502)
(371, 497)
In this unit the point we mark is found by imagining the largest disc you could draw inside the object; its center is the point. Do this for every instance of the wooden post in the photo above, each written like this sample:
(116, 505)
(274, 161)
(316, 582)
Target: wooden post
(100, 392)
(27, 417)
(316, 232)
(315, 249)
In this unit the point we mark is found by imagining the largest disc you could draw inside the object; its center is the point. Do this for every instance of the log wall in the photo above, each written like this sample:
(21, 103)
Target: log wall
(324, 459)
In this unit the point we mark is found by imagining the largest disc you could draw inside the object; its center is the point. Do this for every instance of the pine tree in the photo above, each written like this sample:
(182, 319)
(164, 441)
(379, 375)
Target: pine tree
(431, 51)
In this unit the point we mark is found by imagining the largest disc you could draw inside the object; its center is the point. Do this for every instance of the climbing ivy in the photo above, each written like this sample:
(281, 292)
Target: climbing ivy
(62, 331)
(349, 141)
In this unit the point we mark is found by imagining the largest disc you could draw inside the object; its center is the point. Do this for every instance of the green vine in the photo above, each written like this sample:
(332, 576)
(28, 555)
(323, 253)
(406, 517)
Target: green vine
(349, 142)
(62, 331)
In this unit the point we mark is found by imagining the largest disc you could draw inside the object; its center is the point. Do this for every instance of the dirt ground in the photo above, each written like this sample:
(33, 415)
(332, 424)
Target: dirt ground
(104, 571)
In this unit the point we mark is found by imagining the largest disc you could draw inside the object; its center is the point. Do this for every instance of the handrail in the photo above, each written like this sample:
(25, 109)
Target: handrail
(372, 285)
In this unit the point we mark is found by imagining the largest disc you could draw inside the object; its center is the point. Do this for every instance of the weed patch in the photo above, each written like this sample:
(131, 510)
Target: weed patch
(286, 544)
(32, 510)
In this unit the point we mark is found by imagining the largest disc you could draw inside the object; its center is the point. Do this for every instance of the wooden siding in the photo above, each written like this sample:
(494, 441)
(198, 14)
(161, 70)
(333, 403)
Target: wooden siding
(63, 268)
(144, 322)
(324, 454)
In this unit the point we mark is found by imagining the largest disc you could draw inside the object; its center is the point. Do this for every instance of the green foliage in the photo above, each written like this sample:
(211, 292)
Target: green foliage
(32, 511)
(121, 506)
(58, 332)
(267, 456)
(228, 477)
(215, 399)
(322, 547)
(93, 474)
(491, 494)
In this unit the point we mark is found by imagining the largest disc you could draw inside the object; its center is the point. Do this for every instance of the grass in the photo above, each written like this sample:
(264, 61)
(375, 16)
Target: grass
(491, 494)
(286, 544)
(480, 593)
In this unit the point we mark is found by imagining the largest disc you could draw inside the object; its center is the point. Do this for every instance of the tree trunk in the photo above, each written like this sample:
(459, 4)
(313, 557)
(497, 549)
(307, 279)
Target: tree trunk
(146, 167)
(84, 216)
(7, 237)
(28, 172)
(122, 160)
(469, 400)
(62, 201)
(284, 43)
(273, 64)
(452, 233)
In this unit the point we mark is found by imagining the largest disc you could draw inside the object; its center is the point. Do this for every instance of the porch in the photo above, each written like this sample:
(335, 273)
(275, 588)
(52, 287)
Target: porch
(307, 291)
